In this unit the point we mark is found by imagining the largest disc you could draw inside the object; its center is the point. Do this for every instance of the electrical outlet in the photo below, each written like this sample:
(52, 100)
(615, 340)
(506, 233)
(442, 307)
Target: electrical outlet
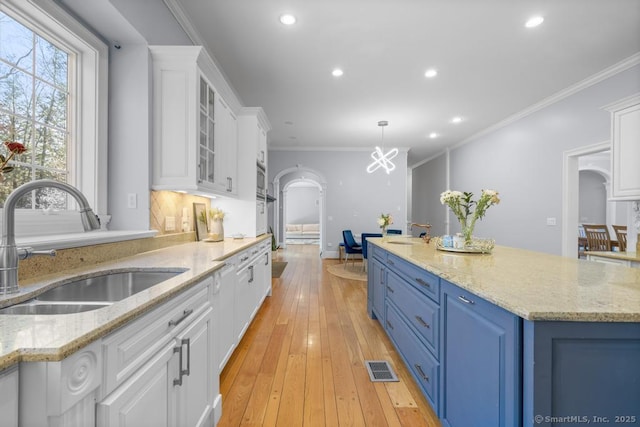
(132, 200)
(551, 221)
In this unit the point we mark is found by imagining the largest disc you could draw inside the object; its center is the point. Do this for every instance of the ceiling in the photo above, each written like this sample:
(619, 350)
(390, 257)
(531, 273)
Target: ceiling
(489, 65)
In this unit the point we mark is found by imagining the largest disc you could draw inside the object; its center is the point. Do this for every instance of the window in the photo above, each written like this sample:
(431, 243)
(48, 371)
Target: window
(34, 107)
(53, 99)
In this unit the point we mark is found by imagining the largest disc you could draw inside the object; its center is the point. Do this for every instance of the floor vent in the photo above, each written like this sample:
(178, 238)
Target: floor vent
(380, 370)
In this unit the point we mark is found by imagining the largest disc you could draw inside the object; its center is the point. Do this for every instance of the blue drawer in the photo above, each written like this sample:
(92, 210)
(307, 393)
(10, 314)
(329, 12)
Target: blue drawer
(422, 365)
(425, 282)
(377, 252)
(419, 312)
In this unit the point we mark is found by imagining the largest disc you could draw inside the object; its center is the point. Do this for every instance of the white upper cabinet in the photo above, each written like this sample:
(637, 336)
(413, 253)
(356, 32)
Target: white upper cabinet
(194, 130)
(625, 148)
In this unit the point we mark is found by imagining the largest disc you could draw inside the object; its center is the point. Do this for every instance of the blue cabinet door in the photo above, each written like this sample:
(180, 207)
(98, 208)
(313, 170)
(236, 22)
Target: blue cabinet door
(480, 362)
(376, 282)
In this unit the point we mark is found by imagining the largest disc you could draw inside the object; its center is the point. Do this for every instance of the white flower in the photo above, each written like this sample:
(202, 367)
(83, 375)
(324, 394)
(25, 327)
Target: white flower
(381, 222)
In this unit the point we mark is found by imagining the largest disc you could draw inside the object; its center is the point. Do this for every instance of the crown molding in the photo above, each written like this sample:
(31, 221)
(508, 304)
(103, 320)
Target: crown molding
(608, 72)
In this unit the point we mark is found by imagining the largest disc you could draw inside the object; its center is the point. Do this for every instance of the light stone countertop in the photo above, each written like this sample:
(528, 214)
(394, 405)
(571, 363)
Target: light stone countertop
(533, 285)
(29, 338)
(626, 256)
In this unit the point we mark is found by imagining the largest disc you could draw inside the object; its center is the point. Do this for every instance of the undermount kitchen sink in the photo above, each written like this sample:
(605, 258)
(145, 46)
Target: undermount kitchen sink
(32, 307)
(92, 292)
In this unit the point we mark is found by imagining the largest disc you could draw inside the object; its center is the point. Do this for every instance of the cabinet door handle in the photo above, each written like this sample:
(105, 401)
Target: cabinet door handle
(390, 289)
(178, 381)
(389, 325)
(266, 259)
(422, 282)
(185, 314)
(465, 300)
(229, 183)
(421, 372)
(422, 322)
(187, 342)
(251, 273)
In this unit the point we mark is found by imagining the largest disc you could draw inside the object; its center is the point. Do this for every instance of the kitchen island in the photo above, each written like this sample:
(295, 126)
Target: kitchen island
(95, 366)
(512, 338)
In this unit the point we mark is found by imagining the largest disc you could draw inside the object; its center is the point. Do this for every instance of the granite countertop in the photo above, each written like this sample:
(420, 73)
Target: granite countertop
(533, 285)
(626, 256)
(29, 338)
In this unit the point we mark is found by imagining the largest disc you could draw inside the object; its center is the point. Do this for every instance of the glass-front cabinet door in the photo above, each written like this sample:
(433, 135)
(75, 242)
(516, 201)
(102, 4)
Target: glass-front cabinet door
(207, 148)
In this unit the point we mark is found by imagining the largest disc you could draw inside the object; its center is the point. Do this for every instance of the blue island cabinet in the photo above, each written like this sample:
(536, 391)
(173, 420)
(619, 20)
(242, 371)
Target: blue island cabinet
(578, 373)
(376, 282)
(480, 379)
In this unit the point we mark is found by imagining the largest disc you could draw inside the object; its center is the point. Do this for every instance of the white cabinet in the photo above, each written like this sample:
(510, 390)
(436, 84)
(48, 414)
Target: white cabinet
(261, 216)
(160, 370)
(261, 149)
(625, 148)
(9, 383)
(226, 338)
(194, 130)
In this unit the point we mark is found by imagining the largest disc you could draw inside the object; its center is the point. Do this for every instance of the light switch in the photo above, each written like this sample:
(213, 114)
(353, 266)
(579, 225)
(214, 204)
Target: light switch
(169, 223)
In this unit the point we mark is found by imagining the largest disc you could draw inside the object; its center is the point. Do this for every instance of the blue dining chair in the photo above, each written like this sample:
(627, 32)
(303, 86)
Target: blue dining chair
(350, 246)
(364, 237)
(394, 231)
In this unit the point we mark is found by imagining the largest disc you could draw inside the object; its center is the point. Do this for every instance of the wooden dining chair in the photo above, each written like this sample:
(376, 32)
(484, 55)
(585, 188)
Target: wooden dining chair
(598, 238)
(621, 234)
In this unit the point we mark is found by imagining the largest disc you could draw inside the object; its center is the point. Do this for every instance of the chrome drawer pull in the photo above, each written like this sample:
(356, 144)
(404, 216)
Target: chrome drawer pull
(421, 372)
(185, 314)
(389, 325)
(390, 289)
(422, 322)
(422, 282)
(244, 258)
(465, 300)
(390, 262)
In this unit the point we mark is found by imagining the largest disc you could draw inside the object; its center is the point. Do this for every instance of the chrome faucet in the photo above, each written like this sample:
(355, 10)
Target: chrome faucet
(9, 253)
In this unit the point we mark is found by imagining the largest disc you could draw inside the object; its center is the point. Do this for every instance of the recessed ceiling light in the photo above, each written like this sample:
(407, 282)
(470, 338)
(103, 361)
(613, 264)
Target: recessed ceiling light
(337, 72)
(433, 135)
(431, 72)
(287, 19)
(534, 21)
(456, 119)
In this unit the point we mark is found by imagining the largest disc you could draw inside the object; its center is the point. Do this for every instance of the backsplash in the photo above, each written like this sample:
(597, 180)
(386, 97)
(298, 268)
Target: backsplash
(86, 256)
(168, 209)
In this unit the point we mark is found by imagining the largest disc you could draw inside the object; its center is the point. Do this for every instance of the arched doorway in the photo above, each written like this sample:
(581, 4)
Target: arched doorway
(284, 180)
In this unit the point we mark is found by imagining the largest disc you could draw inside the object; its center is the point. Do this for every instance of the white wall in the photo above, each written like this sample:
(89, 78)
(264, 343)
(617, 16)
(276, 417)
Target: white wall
(303, 205)
(592, 198)
(523, 161)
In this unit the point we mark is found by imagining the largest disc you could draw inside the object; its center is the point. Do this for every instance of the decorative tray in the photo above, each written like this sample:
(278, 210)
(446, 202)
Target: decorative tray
(477, 246)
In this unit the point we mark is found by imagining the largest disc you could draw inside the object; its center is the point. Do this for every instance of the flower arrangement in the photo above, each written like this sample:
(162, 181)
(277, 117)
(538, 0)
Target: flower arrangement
(216, 214)
(13, 148)
(384, 221)
(461, 203)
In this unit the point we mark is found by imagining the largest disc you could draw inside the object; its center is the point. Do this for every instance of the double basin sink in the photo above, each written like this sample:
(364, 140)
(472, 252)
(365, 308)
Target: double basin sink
(92, 292)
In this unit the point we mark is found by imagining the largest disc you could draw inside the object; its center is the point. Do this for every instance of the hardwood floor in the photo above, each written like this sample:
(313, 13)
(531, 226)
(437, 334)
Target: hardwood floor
(301, 361)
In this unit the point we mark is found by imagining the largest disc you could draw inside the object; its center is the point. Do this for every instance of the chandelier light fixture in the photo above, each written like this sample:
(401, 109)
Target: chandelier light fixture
(380, 158)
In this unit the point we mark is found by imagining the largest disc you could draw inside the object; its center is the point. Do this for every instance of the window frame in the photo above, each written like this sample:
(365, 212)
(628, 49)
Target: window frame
(87, 122)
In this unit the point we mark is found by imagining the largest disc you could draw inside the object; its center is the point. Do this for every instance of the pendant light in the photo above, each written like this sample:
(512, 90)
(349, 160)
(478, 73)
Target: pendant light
(380, 158)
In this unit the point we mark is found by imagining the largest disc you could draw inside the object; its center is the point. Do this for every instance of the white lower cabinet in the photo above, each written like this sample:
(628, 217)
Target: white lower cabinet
(171, 389)
(157, 370)
(9, 390)
(226, 337)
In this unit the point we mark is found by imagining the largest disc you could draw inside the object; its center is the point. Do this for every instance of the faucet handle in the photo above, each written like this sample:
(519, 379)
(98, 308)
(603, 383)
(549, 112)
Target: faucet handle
(24, 253)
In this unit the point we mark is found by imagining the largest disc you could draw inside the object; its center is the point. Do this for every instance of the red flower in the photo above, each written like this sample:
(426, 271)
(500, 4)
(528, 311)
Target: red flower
(15, 147)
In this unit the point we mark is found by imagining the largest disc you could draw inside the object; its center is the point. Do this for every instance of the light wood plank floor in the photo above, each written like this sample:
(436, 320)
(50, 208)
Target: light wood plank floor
(301, 361)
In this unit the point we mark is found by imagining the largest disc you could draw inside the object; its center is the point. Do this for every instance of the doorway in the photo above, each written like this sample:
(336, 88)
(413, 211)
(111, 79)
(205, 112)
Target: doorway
(571, 191)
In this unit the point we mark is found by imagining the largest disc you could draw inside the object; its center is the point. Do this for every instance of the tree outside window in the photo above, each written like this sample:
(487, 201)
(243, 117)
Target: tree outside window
(34, 110)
